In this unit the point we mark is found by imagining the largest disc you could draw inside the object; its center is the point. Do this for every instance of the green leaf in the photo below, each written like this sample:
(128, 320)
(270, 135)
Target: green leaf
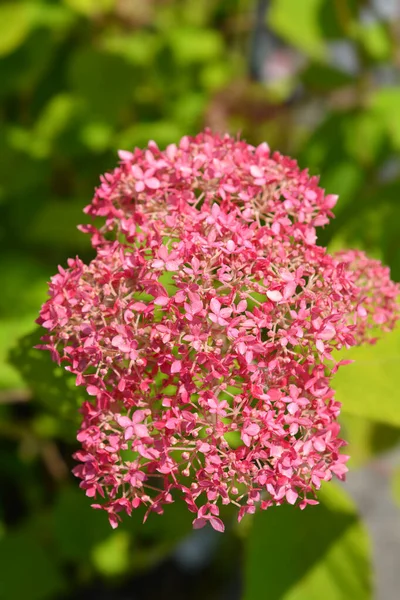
(322, 551)
(194, 45)
(385, 104)
(83, 534)
(90, 7)
(369, 387)
(324, 146)
(216, 74)
(111, 557)
(57, 18)
(196, 13)
(162, 132)
(55, 225)
(50, 384)
(97, 135)
(343, 178)
(16, 20)
(189, 108)
(24, 289)
(364, 137)
(168, 528)
(78, 528)
(138, 48)
(324, 78)
(11, 329)
(375, 38)
(103, 81)
(22, 70)
(299, 24)
(24, 280)
(27, 571)
(367, 438)
(53, 121)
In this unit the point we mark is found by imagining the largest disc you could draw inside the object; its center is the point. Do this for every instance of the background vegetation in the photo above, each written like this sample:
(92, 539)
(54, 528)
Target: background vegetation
(317, 79)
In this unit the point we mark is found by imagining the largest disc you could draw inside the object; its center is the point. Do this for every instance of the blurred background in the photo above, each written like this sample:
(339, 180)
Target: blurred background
(79, 79)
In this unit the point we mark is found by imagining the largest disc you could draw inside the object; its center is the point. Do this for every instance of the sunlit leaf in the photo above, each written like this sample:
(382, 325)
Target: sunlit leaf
(366, 438)
(376, 40)
(369, 387)
(16, 20)
(139, 47)
(216, 74)
(343, 178)
(90, 7)
(111, 557)
(364, 137)
(192, 45)
(304, 555)
(11, 329)
(385, 104)
(299, 24)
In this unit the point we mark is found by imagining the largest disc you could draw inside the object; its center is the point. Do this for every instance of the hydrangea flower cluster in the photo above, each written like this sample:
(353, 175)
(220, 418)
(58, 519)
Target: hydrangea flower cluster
(204, 329)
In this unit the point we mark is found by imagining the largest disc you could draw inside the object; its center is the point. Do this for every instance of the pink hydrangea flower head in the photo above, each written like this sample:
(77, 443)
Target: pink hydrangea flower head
(203, 331)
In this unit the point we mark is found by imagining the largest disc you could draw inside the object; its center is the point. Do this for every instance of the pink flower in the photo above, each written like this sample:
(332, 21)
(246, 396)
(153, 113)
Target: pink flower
(165, 260)
(144, 179)
(133, 427)
(249, 431)
(194, 308)
(218, 314)
(216, 384)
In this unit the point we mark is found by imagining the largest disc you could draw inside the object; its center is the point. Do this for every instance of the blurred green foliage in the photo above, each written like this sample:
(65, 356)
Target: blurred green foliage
(80, 79)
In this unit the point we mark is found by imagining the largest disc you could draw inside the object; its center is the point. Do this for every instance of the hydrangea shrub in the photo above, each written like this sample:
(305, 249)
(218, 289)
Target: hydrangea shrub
(204, 328)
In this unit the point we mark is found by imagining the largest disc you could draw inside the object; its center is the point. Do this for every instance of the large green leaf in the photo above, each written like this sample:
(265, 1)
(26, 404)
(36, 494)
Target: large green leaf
(24, 287)
(320, 552)
(367, 438)
(78, 528)
(369, 387)
(84, 535)
(26, 570)
(11, 329)
(49, 383)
